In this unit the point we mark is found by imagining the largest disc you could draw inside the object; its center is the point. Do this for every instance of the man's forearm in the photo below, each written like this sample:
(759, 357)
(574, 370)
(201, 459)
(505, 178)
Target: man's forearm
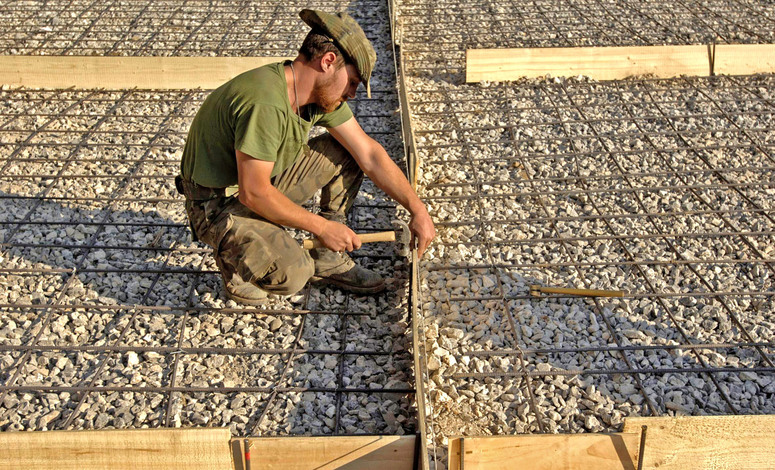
(275, 206)
(389, 178)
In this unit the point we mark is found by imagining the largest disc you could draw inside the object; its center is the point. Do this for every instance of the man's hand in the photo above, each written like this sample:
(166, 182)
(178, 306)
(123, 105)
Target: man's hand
(423, 231)
(338, 237)
(377, 165)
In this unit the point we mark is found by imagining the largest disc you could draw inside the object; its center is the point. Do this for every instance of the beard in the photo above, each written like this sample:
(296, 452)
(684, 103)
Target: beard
(325, 97)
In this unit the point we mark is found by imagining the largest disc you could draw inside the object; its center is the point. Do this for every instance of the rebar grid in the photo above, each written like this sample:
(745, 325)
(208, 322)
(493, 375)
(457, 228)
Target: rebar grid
(109, 304)
(165, 28)
(662, 188)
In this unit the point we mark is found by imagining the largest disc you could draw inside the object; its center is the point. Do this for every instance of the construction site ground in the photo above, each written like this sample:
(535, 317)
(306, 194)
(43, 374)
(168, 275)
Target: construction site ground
(112, 317)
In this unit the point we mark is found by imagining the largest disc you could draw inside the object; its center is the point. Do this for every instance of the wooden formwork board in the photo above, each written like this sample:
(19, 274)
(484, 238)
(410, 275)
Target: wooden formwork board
(671, 443)
(613, 63)
(329, 453)
(744, 59)
(546, 452)
(138, 449)
(147, 73)
(707, 442)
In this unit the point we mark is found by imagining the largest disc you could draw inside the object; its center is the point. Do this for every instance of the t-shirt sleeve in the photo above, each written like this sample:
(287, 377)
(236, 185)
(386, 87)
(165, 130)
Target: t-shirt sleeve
(258, 133)
(336, 117)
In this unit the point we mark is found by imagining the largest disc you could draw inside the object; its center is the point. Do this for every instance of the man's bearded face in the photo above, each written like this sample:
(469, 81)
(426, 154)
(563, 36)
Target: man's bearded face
(336, 88)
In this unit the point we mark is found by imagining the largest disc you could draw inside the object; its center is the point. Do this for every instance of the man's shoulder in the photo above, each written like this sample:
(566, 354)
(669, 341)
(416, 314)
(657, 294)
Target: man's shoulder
(262, 85)
(271, 71)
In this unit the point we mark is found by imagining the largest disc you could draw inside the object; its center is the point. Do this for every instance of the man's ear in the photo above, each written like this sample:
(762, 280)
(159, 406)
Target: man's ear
(327, 61)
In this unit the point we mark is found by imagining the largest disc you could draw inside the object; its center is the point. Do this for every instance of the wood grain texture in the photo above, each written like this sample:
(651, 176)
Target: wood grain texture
(334, 452)
(744, 59)
(548, 451)
(147, 73)
(707, 442)
(138, 449)
(600, 63)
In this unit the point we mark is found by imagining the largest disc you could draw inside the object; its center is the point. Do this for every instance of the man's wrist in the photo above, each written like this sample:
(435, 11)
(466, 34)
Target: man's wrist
(417, 208)
(318, 226)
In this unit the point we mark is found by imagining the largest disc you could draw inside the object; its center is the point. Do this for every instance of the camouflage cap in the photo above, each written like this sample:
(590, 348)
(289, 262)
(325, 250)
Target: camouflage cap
(348, 37)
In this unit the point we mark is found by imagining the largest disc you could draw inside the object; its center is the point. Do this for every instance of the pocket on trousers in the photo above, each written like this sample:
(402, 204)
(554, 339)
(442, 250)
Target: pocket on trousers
(244, 245)
(210, 222)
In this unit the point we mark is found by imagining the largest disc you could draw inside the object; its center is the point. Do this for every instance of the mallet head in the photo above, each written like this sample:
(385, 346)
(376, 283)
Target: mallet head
(403, 237)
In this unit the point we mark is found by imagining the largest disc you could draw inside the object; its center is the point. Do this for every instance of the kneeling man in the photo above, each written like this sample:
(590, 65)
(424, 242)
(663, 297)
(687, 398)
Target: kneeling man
(253, 132)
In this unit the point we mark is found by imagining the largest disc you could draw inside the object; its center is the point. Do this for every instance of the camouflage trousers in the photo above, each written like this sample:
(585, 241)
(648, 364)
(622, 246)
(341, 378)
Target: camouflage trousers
(262, 252)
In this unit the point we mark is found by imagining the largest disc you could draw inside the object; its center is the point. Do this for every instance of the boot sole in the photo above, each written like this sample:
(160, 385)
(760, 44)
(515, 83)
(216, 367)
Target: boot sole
(348, 287)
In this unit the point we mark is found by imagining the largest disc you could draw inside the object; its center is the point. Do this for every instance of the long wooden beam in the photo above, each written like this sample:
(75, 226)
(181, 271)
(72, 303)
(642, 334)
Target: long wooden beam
(612, 63)
(672, 443)
(140, 449)
(148, 73)
(744, 59)
(332, 452)
(702, 442)
(546, 452)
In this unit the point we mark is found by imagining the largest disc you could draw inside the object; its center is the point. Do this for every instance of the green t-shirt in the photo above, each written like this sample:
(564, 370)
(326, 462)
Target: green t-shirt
(251, 113)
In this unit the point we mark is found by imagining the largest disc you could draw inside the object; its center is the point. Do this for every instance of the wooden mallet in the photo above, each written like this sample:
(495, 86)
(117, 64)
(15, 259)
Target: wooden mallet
(536, 291)
(401, 235)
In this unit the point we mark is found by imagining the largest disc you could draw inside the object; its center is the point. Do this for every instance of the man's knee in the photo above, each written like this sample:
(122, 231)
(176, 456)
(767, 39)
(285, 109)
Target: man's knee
(335, 152)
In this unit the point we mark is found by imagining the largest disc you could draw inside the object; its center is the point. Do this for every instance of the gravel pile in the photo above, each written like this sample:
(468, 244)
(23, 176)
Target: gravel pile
(661, 188)
(92, 220)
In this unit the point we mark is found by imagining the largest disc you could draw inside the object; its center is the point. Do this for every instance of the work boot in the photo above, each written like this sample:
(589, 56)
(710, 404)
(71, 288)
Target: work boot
(338, 269)
(243, 292)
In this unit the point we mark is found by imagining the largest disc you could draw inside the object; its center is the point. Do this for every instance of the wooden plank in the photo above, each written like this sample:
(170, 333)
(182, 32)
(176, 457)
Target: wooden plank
(419, 363)
(707, 442)
(333, 452)
(601, 63)
(744, 59)
(548, 451)
(125, 72)
(139, 449)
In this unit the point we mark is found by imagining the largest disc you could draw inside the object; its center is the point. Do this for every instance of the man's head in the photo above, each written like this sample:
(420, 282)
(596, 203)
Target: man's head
(336, 84)
(340, 35)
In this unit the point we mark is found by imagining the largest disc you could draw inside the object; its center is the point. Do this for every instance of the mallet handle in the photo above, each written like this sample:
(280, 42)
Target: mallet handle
(365, 238)
(581, 292)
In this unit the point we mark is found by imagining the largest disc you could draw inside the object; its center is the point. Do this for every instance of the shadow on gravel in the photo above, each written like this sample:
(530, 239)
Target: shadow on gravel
(107, 261)
(560, 335)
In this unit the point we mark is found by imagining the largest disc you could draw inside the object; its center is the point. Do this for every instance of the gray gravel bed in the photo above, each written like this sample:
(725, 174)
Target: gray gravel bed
(559, 183)
(126, 145)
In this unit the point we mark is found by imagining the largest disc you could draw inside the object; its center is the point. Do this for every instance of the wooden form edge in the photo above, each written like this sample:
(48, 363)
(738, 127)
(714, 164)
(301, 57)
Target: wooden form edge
(327, 453)
(546, 451)
(412, 165)
(744, 59)
(135, 449)
(407, 130)
(701, 442)
(727, 442)
(147, 73)
(613, 63)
